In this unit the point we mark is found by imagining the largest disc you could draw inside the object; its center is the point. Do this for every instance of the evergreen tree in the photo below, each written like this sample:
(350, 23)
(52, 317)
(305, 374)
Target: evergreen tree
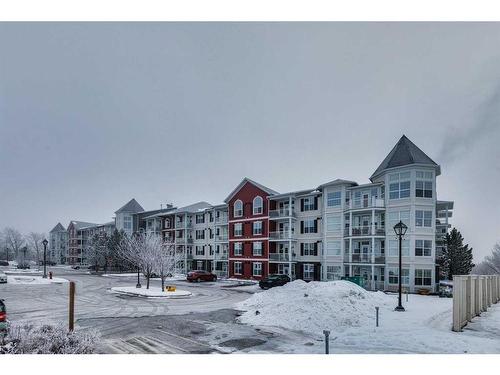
(457, 257)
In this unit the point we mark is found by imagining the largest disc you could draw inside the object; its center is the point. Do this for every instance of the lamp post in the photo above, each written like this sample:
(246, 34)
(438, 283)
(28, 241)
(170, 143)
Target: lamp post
(138, 279)
(45, 242)
(400, 229)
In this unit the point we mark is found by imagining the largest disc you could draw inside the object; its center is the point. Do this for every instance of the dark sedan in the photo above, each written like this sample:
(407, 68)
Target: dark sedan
(273, 280)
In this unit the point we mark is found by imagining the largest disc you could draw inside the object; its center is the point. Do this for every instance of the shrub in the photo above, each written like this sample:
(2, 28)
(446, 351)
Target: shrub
(48, 339)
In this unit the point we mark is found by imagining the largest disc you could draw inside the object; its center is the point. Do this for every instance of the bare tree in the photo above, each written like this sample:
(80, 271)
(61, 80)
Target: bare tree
(34, 241)
(14, 241)
(167, 260)
(142, 249)
(95, 250)
(491, 264)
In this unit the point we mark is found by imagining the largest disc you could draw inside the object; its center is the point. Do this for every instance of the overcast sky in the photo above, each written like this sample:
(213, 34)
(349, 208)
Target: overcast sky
(92, 115)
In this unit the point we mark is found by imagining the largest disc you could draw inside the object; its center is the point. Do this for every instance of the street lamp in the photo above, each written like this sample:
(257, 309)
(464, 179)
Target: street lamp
(45, 242)
(400, 229)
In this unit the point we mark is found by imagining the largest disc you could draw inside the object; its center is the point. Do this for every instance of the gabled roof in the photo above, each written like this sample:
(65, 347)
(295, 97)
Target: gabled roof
(82, 224)
(195, 207)
(58, 228)
(243, 182)
(405, 153)
(338, 181)
(131, 206)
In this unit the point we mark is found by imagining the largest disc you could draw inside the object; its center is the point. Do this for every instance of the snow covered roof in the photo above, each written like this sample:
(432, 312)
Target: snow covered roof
(405, 152)
(58, 228)
(338, 181)
(243, 182)
(82, 224)
(130, 206)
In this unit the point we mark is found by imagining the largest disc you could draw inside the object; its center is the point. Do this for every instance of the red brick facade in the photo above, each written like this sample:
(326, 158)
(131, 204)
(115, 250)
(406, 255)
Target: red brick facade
(248, 220)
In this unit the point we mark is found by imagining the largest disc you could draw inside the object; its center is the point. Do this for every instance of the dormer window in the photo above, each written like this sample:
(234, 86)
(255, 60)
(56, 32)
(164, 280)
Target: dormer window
(257, 205)
(238, 208)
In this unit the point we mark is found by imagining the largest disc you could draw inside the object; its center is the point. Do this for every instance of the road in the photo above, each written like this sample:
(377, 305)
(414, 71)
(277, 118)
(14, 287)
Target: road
(131, 324)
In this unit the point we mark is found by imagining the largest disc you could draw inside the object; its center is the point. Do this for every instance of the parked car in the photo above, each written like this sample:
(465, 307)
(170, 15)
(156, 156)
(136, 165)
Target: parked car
(3, 317)
(48, 263)
(200, 275)
(24, 266)
(273, 280)
(3, 277)
(4, 263)
(75, 266)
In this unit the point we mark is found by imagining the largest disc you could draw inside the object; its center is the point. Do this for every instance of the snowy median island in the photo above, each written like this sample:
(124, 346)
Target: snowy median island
(152, 292)
(34, 280)
(348, 311)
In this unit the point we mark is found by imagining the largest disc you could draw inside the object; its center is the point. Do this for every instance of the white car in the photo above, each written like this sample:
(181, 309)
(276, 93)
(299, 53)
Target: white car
(3, 277)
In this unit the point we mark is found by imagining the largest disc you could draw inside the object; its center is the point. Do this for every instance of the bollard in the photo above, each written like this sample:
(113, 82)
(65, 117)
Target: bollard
(376, 316)
(327, 341)
(71, 305)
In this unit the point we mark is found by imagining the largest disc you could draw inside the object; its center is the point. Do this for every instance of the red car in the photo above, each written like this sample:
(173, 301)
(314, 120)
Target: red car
(199, 275)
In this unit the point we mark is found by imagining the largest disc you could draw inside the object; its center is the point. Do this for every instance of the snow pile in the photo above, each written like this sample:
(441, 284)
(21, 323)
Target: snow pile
(48, 339)
(152, 292)
(313, 307)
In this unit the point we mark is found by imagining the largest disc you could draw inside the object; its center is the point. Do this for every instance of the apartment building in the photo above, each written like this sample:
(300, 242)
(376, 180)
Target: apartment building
(199, 233)
(58, 244)
(342, 228)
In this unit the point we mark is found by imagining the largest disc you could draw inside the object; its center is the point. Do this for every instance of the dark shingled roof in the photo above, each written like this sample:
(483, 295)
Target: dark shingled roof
(404, 153)
(58, 228)
(131, 206)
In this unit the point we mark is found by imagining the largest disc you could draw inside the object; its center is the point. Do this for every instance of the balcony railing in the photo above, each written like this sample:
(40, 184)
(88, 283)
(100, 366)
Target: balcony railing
(365, 231)
(280, 235)
(182, 225)
(365, 258)
(221, 220)
(221, 237)
(282, 212)
(221, 256)
(365, 203)
(281, 257)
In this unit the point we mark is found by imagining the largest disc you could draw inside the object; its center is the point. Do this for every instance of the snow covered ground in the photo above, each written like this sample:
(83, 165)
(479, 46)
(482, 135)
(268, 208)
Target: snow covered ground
(301, 309)
(34, 280)
(151, 292)
(176, 277)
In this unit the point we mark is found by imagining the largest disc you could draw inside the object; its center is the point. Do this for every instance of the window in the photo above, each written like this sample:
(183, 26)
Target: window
(238, 229)
(333, 248)
(199, 265)
(238, 208)
(238, 248)
(394, 248)
(423, 218)
(333, 272)
(394, 276)
(200, 218)
(399, 185)
(238, 267)
(309, 226)
(334, 198)
(423, 189)
(257, 227)
(423, 277)
(257, 206)
(127, 222)
(423, 248)
(309, 204)
(257, 269)
(393, 217)
(257, 248)
(200, 250)
(309, 249)
(424, 175)
(200, 234)
(333, 223)
(308, 273)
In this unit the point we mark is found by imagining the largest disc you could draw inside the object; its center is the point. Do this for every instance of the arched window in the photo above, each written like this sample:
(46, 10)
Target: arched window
(238, 208)
(257, 205)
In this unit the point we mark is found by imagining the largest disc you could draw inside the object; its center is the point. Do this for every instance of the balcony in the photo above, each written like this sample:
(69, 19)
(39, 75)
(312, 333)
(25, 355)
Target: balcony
(281, 257)
(221, 256)
(365, 204)
(281, 213)
(365, 231)
(221, 220)
(280, 235)
(221, 237)
(183, 225)
(365, 258)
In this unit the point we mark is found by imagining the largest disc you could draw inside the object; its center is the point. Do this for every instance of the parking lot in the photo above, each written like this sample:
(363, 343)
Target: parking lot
(201, 323)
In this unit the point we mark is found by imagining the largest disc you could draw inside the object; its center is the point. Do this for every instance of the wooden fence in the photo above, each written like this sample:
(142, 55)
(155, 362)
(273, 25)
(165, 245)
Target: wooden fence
(473, 294)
